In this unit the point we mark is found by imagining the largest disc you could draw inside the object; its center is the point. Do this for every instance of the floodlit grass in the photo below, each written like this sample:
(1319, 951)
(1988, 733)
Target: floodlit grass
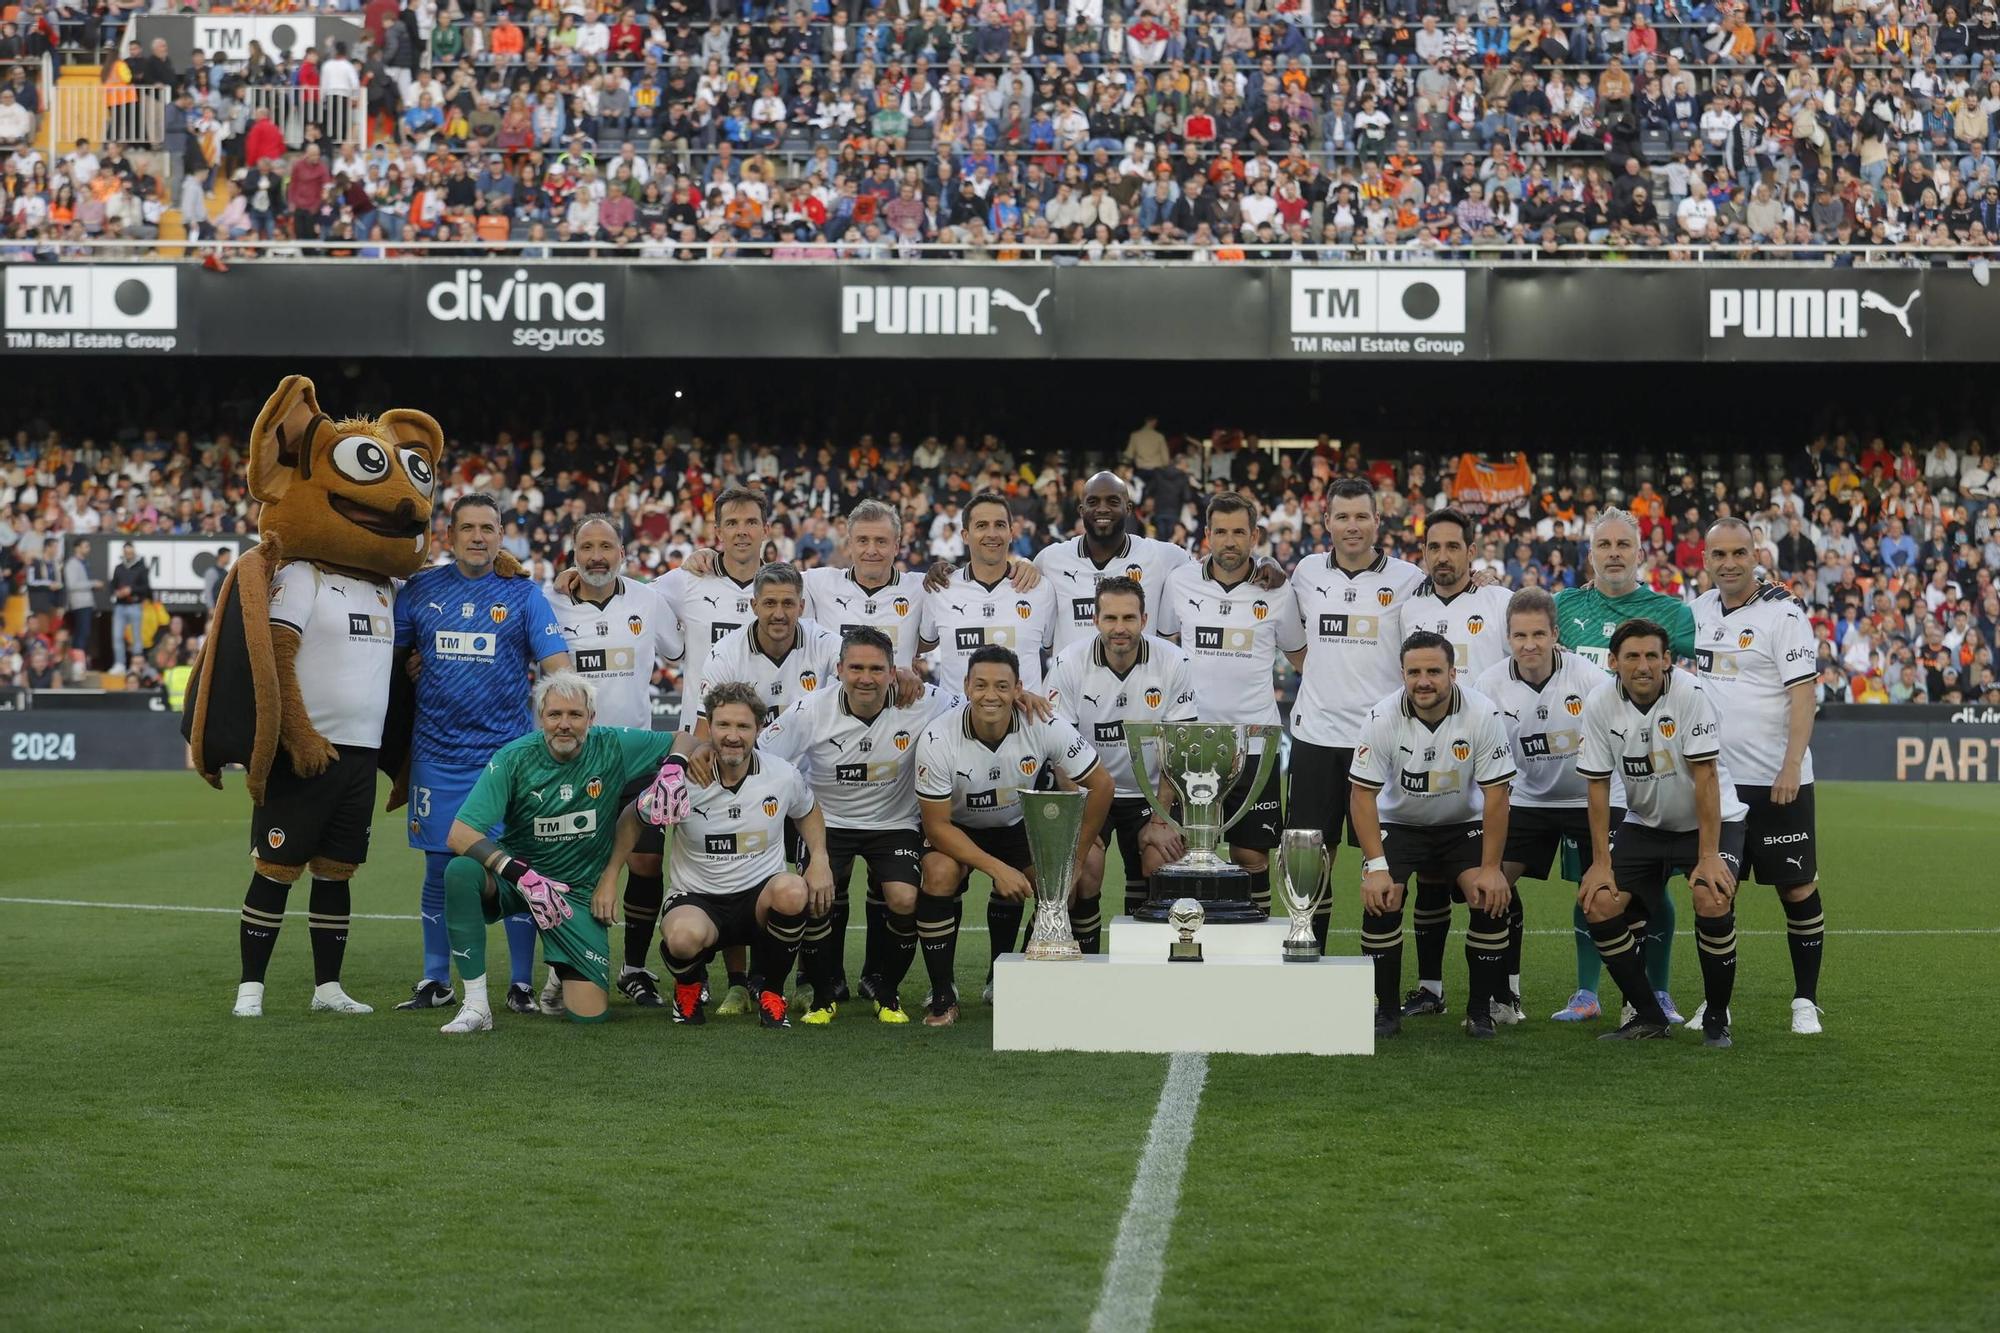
(165, 1164)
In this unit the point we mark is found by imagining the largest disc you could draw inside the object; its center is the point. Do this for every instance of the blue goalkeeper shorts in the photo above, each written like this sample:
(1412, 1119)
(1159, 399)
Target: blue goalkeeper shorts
(436, 793)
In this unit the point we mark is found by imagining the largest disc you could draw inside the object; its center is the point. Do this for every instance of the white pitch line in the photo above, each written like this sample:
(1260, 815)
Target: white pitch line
(1138, 1257)
(110, 823)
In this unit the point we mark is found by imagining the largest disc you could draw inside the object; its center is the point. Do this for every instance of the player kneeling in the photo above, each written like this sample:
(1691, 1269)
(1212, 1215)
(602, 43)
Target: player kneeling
(1430, 785)
(555, 792)
(727, 884)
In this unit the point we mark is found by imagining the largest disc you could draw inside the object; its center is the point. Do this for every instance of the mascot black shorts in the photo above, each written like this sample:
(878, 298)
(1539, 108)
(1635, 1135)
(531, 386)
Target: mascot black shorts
(326, 816)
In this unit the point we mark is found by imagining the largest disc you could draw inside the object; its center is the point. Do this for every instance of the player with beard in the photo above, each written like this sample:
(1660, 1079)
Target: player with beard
(617, 630)
(1473, 618)
(1350, 605)
(1586, 618)
(1756, 653)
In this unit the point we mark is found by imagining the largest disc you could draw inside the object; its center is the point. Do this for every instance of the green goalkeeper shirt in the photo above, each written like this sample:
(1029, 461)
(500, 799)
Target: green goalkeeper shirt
(562, 818)
(1586, 619)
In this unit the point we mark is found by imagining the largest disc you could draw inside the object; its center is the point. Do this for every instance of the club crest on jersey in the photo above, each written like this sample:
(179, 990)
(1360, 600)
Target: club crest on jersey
(499, 613)
(1573, 705)
(1430, 754)
(564, 792)
(416, 829)
(1348, 595)
(1667, 728)
(993, 774)
(1360, 753)
(809, 681)
(770, 807)
(1023, 609)
(276, 837)
(1258, 610)
(465, 610)
(1027, 767)
(1541, 712)
(902, 605)
(1459, 750)
(1746, 638)
(594, 788)
(603, 628)
(902, 741)
(1153, 697)
(1475, 624)
(1134, 573)
(1384, 596)
(635, 624)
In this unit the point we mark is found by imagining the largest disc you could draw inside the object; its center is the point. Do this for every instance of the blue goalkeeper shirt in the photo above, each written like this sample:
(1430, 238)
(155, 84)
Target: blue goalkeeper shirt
(480, 640)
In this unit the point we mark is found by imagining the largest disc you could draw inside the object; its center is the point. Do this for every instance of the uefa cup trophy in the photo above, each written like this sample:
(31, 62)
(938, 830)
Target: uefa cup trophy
(1303, 870)
(1054, 822)
(1186, 918)
(1202, 760)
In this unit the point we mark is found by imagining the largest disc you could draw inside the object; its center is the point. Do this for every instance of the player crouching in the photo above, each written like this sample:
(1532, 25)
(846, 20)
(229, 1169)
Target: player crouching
(555, 792)
(727, 884)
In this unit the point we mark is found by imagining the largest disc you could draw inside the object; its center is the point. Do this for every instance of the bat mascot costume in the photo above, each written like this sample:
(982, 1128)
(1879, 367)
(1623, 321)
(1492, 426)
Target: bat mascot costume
(297, 681)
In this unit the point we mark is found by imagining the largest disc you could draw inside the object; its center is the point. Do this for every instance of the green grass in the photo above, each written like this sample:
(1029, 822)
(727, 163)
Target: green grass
(162, 1164)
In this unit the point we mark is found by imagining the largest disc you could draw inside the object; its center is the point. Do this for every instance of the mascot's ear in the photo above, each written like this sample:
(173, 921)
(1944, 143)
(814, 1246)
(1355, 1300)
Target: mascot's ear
(406, 425)
(281, 441)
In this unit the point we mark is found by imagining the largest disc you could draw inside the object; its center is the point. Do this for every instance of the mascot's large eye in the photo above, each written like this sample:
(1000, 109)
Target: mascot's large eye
(361, 459)
(419, 469)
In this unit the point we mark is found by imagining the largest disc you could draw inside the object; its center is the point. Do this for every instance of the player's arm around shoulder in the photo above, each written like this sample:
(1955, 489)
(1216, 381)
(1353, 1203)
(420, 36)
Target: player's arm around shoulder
(546, 643)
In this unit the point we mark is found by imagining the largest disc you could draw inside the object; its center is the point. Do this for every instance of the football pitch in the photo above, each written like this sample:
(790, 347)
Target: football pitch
(167, 1165)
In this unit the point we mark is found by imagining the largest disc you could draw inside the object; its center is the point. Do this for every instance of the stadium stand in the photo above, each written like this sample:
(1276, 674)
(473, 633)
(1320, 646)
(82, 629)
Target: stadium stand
(1892, 545)
(1225, 130)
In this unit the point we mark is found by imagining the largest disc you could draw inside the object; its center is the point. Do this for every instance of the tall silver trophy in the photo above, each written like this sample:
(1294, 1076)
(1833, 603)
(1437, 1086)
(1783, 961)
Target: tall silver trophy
(1201, 760)
(1054, 821)
(1304, 869)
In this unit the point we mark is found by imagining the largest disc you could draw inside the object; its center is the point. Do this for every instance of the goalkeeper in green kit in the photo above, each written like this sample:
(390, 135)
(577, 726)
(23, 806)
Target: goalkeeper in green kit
(556, 795)
(1586, 617)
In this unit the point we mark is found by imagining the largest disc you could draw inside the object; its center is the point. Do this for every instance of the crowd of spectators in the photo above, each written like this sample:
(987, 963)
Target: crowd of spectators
(1211, 129)
(1892, 545)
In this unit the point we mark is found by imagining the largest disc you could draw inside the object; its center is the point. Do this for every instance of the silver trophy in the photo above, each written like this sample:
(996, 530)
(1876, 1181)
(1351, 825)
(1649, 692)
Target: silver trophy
(1186, 918)
(1202, 760)
(1054, 821)
(1304, 870)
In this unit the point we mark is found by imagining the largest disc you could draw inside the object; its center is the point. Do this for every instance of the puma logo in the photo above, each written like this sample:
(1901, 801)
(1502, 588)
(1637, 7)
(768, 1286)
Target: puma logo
(466, 954)
(435, 607)
(1006, 300)
(1798, 861)
(1899, 313)
(428, 917)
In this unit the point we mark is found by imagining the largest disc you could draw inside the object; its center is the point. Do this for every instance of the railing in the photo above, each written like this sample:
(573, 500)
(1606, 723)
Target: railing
(1487, 253)
(135, 115)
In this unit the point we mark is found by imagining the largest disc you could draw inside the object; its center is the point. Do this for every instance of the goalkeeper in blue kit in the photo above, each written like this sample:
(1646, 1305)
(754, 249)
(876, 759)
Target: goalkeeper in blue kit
(476, 638)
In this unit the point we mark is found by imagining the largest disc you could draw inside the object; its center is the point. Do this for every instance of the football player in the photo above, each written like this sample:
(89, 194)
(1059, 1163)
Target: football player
(1756, 654)
(974, 610)
(870, 591)
(1658, 731)
(1431, 773)
(474, 639)
(1097, 685)
(972, 762)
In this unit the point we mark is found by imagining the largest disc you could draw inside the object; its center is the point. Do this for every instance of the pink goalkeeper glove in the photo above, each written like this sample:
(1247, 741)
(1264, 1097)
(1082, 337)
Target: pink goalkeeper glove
(666, 800)
(546, 900)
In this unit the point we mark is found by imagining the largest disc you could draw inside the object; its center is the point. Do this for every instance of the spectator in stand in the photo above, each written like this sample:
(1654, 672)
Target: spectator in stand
(80, 596)
(131, 590)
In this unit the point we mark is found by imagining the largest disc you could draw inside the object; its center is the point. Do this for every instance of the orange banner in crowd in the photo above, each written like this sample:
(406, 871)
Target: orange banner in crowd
(1492, 483)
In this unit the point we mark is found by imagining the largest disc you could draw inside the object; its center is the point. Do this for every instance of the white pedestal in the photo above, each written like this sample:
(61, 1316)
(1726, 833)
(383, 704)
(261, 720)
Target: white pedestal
(1224, 1005)
(1149, 939)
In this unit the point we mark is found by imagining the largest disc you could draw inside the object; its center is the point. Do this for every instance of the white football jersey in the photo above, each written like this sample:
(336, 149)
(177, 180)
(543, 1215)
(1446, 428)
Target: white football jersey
(708, 607)
(614, 646)
(1431, 776)
(983, 781)
(812, 664)
(1234, 635)
(1475, 621)
(347, 648)
(1098, 702)
(1353, 625)
(837, 601)
(864, 772)
(968, 615)
(1750, 660)
(1545, 727)
(733, 838)
(1654, 750)
(1067, 565)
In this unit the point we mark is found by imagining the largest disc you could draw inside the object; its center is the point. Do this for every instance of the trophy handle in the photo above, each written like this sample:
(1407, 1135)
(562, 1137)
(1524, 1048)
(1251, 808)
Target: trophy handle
(1271, 736)
(1136, 736)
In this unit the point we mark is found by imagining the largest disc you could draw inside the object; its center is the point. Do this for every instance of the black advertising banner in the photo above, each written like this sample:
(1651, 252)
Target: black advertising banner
(1029, 311)
(1892, 748)
(1411, 312)
(332, 307)
(49, 739)
(1554, 313)
(971, 311)
(1780, 314)
(738, 310)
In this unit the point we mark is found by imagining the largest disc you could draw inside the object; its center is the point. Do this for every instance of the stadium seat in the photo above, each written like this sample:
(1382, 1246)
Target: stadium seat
(1646, 467)
(1711, 470)
(1655, 146)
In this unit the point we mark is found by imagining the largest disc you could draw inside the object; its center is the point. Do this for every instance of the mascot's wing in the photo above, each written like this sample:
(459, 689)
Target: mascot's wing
(232, 708)
(398, 730)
